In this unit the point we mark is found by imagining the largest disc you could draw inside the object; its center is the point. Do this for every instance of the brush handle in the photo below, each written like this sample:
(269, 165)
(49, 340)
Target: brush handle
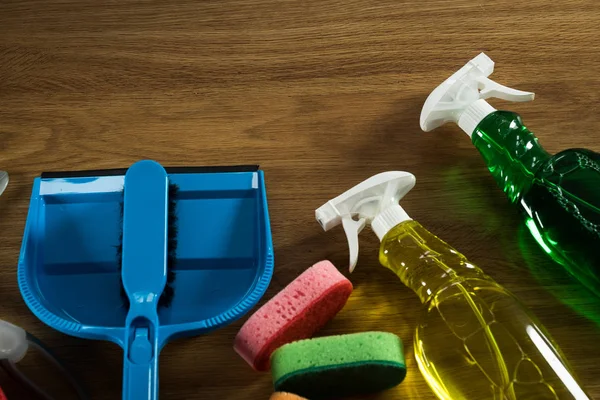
(144, 274)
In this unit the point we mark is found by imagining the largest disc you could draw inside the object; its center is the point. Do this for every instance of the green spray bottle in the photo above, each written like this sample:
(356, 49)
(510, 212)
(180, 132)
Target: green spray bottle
(558, 195)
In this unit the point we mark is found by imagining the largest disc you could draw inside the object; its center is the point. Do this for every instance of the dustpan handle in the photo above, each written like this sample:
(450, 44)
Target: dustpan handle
(140, 382)
(140, 369)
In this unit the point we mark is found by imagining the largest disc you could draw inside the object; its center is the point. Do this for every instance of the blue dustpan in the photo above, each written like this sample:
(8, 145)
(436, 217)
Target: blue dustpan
(72, 278)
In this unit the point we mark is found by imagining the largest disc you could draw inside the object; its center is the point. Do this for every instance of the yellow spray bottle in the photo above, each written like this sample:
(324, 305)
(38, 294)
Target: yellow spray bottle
(475, 339)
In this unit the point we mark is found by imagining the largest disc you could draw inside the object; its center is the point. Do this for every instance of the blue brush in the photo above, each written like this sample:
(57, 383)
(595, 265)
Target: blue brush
(71, 277)
(144, 274)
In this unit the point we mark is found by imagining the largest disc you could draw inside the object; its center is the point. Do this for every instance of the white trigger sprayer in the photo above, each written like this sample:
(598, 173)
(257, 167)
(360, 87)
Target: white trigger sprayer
(461, 98)
(372, 202)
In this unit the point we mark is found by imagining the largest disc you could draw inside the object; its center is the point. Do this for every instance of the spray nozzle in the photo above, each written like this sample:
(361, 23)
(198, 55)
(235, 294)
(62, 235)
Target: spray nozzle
(373, 201)
(461, 98)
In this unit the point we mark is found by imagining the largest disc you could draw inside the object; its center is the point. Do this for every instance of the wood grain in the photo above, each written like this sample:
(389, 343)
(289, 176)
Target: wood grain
(320, 93)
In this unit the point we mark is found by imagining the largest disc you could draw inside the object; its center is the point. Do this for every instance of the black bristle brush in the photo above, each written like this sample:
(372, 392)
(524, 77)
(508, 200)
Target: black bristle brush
(168, 293)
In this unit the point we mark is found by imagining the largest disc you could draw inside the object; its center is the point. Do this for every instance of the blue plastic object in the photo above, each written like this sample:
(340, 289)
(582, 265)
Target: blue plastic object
(69, 271)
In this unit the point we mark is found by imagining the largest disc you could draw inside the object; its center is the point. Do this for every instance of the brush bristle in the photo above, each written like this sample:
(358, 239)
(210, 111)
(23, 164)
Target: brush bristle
(120, 249)
(169, 292)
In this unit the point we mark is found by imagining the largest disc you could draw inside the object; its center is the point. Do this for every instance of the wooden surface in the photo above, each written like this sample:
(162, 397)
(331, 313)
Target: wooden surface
(322, 94)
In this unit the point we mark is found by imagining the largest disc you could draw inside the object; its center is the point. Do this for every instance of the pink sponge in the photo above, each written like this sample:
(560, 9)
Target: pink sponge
(297, 312)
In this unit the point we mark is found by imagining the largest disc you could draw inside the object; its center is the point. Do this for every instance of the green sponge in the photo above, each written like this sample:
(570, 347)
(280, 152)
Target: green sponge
(339, 366)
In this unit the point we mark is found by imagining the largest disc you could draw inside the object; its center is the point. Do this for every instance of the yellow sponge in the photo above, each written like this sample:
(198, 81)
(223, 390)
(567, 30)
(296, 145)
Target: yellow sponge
(285, 396)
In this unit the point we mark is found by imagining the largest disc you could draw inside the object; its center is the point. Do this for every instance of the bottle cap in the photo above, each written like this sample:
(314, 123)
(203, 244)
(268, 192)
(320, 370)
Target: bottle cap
(13, 342)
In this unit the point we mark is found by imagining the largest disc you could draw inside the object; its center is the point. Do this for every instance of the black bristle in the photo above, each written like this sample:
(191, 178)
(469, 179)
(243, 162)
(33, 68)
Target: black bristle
(120, 249)
(169, 292)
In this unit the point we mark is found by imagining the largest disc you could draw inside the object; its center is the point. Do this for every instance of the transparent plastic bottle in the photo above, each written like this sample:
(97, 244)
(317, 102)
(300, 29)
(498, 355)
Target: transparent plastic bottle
(559, 195)
(474, 340)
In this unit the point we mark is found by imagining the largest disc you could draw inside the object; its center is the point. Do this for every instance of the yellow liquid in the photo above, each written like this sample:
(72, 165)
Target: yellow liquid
(475, 340)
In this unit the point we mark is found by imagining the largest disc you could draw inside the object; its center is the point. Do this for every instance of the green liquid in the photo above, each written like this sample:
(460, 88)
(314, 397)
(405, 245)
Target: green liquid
(559, 195)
